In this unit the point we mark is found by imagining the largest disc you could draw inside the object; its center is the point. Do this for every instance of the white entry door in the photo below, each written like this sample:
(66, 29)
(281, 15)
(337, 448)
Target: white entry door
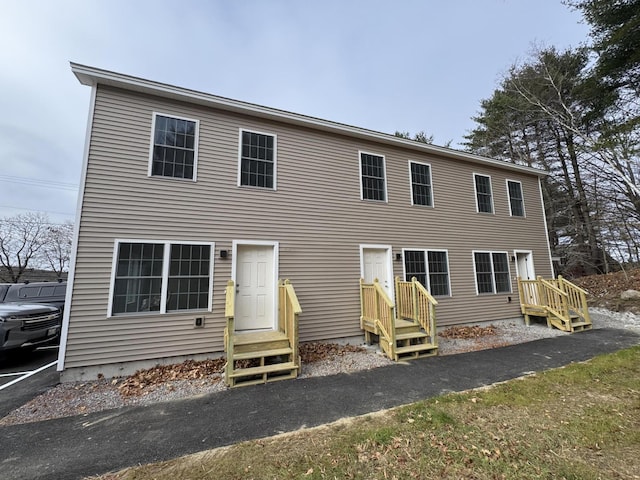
(376, 264)
(255, 287)
(524, 264)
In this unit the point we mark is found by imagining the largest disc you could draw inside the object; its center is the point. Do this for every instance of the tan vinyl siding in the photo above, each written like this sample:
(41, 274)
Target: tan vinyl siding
(315, 215)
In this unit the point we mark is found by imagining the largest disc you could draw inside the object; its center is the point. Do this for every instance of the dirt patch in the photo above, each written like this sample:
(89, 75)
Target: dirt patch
(605, 290)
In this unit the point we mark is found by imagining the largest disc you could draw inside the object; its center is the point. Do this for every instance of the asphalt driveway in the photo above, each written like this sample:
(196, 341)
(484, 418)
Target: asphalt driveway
(74, 447)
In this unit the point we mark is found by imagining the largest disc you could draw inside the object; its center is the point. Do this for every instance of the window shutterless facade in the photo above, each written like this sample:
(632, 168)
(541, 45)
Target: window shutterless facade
(492, 272)
(421, 191)
(174, 147)
(516, 198)
(161, 277)
(373, 184)
(431, 269)
(257, 160)
(484, 197)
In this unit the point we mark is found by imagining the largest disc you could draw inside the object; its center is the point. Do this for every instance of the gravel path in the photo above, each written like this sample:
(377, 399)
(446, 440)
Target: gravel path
(85, 397)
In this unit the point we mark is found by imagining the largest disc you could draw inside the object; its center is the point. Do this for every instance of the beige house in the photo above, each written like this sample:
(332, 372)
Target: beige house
(183, 191)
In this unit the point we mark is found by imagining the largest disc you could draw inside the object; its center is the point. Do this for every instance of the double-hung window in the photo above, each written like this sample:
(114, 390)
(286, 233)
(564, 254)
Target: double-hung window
(257, 160)
(161, 277)
(373, 184)
(421, 192)
(431, 269)
(492, 272)
(516, 199)
(484, 198)
(174, 147)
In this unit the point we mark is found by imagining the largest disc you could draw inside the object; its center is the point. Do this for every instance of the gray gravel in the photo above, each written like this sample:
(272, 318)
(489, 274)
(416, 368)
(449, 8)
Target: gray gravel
(85, 397)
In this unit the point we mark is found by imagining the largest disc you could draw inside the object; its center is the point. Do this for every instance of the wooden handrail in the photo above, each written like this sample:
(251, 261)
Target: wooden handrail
(377, 308)
(229, 313)
(416, 303)
(288, 315)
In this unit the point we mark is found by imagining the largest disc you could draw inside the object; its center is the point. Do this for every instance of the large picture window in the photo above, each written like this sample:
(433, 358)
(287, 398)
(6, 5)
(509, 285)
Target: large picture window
(174, 147)
(516, 199)
(421, 193)
(484, 198)
(161, 277)
(373, 183)
(492, 272)
(257, 159)
(431, 269)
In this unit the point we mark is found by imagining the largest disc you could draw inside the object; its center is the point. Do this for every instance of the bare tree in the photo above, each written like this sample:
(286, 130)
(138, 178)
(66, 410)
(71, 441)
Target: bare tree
(21, 238)
(56, 251)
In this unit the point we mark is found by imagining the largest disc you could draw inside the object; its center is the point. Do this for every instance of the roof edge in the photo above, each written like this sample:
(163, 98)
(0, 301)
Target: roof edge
(92, 76)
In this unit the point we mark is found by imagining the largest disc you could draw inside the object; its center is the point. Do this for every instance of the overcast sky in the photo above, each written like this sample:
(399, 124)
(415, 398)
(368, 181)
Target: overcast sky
(383, 65)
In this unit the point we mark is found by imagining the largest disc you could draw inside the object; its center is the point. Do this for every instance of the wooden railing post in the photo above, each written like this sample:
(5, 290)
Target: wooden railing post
(229, 312)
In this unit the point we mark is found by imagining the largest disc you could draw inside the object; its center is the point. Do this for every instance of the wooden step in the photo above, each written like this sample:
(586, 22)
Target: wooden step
(416, 351)
(259, 341)
(276, 367)
(250, 355)
(411, 335)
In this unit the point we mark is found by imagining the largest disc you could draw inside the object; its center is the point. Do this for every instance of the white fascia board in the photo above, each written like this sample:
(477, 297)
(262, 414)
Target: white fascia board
(92, 76)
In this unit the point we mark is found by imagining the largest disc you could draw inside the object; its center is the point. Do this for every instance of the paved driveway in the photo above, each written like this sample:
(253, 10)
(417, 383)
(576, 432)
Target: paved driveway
(24, 376)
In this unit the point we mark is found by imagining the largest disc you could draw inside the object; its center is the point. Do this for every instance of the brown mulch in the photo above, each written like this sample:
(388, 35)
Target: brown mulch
(468, 332)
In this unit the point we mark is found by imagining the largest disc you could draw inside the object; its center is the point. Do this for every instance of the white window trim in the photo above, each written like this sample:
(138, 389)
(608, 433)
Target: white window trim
(426, 259)
(493, 273)
(275, 159)
(384, 169)
(165, 275)
(433, 202)
(196, 141)
(524, 210)
(475, 190)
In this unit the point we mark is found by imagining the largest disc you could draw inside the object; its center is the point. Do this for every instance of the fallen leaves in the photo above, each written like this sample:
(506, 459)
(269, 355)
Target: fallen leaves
(317, 351)
(144, 381)
(469, 332)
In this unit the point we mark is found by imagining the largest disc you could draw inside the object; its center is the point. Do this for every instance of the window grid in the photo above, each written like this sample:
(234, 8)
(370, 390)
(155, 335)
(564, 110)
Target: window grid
(138, 280)
(257, 160)
(373, 177)
(421, 184)
(140, 276)
(483, 194)
(431, 269)
(516, 199)
(174, 143)
(492, 272)
(188, 277)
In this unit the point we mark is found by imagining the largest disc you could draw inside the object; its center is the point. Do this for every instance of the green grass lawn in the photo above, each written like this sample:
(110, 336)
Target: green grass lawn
(579, 422)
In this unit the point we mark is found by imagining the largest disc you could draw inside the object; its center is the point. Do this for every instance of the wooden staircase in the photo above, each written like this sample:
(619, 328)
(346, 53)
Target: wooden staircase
(263, 356)
(563, 304)
(406, 331)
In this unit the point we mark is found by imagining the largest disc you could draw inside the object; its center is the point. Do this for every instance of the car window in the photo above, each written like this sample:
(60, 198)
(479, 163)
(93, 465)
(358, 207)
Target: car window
(47, 291)
(60, 290)
(29, 292)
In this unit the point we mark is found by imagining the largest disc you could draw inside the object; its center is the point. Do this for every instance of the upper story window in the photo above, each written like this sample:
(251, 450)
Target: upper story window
(484, 198)
(431, 269)
(421, 193)
(257, 160)
(373, 183)
(161, 277)
(175, 146)
(516, 199)
(492, 272)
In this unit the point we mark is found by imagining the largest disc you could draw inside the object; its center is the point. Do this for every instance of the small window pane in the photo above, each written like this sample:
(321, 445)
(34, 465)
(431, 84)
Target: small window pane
(421, 184)
(174, 148)
(373, 177)
(257, 160)
(415, 266)
(483, 194)
(516, 200)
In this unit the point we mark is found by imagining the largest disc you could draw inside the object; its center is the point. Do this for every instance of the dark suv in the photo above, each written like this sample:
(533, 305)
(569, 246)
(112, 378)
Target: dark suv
(30, 314)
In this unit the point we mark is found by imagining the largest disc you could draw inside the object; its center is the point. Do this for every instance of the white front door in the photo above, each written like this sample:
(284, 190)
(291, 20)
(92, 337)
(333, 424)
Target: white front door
(255, 287)
(376, 264)
(524, 265)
